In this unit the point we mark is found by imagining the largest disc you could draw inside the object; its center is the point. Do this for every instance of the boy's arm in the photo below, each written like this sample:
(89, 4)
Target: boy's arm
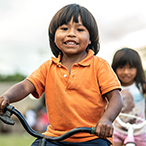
(16, 93)
(104, 127)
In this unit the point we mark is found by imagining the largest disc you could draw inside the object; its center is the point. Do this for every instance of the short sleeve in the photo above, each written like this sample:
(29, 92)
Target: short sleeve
(106, 77)
(38, 79)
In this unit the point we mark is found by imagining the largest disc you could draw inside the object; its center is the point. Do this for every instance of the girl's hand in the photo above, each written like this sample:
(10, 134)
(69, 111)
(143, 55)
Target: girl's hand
(3, 102)
(104, 129)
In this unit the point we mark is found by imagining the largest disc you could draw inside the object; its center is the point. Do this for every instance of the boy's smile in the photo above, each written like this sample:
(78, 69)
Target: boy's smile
(71, 43)
(72, 38)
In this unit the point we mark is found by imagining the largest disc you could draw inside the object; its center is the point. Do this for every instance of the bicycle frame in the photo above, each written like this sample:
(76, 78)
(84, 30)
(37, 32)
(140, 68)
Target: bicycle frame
(6, 118)
(129, 141)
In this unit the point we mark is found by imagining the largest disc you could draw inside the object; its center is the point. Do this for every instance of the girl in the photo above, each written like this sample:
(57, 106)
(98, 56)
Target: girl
(77, 84)
(128, 67)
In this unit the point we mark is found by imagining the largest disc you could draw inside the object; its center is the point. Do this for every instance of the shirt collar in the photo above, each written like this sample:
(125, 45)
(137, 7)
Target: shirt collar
(84, 62)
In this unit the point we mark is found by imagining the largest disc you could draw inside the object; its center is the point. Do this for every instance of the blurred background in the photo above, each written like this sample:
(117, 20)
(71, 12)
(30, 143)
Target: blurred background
(24, 29)
(24, 44)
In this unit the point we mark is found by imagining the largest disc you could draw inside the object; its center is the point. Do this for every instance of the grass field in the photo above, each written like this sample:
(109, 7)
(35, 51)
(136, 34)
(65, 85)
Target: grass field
(16, 140)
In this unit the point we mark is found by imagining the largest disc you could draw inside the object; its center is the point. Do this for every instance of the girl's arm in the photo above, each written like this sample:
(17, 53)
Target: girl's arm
(16, 93)
(104, 127)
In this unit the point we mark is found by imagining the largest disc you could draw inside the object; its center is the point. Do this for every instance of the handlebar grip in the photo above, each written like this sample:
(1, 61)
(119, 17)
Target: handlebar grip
(5, 108)
(6, 117)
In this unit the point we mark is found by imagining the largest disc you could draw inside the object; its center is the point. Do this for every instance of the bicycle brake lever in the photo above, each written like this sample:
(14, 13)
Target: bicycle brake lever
(6, 117)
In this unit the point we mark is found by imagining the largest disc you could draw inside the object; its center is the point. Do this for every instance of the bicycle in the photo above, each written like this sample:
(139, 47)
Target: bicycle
(9, 110)
(129, 141)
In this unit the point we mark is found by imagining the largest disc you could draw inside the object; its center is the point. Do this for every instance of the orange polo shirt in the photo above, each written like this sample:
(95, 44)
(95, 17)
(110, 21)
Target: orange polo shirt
(74, 100)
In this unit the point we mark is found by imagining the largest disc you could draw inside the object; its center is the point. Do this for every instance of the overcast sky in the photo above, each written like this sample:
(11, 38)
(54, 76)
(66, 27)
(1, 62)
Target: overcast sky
(24, 25)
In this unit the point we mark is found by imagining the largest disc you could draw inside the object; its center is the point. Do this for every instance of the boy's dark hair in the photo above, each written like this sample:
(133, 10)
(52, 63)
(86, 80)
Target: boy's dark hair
(64, 15)
(129, 56)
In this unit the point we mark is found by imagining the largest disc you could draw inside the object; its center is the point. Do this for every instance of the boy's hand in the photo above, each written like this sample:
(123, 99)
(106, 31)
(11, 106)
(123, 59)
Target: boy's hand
(3, 102)
(104, 129)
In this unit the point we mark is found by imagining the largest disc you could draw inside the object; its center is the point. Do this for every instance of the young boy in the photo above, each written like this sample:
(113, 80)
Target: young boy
(78, 85)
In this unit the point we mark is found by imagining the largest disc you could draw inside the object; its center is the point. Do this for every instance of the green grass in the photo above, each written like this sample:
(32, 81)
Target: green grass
(16, 139)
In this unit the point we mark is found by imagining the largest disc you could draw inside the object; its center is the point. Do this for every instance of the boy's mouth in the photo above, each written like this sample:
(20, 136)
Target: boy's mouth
(71, 43)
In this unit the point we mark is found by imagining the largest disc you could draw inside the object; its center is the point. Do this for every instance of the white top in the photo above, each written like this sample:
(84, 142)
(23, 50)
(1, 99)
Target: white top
(136, 93)
(137, 104)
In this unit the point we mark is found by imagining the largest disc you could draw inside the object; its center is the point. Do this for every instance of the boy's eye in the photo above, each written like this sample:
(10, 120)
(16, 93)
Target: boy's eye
(80, 29)
(64, 28)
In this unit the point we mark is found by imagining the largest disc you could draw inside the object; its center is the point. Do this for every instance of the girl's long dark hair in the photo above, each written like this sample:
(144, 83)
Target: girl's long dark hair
(130, 56)
(64, 15)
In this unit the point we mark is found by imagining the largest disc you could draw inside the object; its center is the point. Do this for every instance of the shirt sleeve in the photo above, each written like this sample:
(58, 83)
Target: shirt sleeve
(38, 79)
(106, 77)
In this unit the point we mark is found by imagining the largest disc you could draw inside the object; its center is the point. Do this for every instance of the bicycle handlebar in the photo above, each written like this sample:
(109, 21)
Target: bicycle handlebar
(9, 110)
(126, 125)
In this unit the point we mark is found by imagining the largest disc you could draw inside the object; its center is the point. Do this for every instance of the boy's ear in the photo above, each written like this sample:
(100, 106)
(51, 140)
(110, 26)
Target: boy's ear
(89, 42)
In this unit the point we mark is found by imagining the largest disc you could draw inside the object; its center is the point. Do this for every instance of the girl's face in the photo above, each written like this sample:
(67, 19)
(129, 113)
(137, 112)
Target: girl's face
(126, 74)
(72, 38)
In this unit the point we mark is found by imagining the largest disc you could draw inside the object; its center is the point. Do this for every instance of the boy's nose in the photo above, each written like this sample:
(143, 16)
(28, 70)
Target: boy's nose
(71, 33)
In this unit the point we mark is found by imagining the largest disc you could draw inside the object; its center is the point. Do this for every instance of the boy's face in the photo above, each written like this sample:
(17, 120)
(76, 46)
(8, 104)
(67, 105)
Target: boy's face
(72, 38)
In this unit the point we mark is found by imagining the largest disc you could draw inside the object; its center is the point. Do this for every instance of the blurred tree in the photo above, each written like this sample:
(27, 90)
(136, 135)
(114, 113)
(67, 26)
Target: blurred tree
(142, 51)
(14, 77)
